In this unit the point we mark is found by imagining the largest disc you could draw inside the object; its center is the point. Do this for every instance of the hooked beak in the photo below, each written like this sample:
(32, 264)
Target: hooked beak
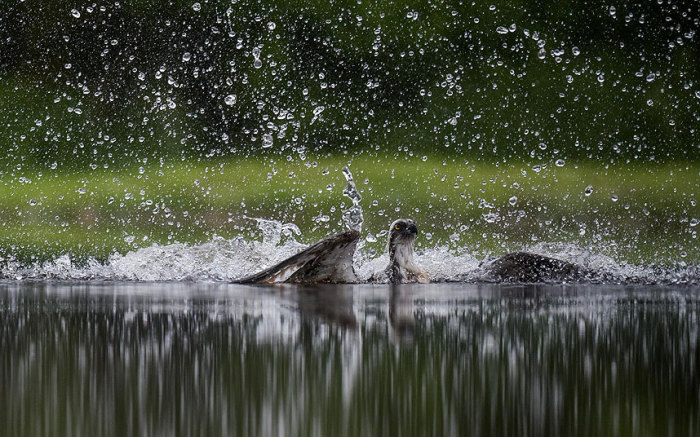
(412, 229)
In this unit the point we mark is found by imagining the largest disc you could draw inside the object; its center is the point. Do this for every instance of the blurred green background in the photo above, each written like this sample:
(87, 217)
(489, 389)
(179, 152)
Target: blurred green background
(124, 124)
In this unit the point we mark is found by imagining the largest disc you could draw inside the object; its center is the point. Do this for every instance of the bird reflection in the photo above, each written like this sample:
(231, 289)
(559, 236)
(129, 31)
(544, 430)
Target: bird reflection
(401, 318)
(333, 305)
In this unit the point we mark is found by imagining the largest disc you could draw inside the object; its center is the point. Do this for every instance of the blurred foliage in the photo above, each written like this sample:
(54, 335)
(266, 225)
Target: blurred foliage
(632, 213)
(123, 83)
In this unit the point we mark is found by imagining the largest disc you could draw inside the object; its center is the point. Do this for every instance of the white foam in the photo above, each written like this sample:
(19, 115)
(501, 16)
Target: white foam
(228, 259)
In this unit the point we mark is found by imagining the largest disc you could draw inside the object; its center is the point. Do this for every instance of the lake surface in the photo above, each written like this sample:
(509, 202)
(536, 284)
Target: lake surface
(129, 358)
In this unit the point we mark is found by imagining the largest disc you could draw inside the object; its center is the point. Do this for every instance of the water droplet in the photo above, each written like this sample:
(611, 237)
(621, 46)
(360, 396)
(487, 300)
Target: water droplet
(490, 217)
(230, 100)
(32, 202)
(257, 63)
(693, 222)
(542, 53)
(537, 168)
(560, 163)
(352, 217)
(614, 198)
(271, 25)
(142, 170)
(267, 141)
(651, 77)
(589, 190)
(186, 57)
(513, 200)
(575, 51)
(601, 78)
(110, 201)
(75, 13)
(613, 11)
(82, 191)
(197, 7)
(130, 238)
(502, 30)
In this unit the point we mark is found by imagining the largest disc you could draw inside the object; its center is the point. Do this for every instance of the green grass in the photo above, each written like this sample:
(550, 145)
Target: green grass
(459, 204)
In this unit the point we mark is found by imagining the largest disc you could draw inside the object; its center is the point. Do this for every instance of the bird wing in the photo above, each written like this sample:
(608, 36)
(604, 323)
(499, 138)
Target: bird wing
(329, 261)
(531, 267)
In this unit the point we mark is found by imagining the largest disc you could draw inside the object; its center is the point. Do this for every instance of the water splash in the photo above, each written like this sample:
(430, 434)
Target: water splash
(227, 259)
(352, 217)
(273, 230)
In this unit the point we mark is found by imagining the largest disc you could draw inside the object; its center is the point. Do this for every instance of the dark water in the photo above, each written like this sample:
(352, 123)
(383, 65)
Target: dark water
(219, 359)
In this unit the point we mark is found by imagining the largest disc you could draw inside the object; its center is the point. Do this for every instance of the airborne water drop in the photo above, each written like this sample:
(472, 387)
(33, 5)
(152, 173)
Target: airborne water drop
(230, 100)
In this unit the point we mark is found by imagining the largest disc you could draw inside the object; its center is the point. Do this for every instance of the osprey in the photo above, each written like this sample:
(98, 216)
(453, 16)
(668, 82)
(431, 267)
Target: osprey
(331, 261)
(402, 268)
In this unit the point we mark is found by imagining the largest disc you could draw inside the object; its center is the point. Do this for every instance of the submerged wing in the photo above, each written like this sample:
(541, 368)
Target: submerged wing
(530, 267)
(329, 260)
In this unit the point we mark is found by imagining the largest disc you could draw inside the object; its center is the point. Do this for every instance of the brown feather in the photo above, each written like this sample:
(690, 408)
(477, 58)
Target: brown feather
(530, 267)
(328, 261)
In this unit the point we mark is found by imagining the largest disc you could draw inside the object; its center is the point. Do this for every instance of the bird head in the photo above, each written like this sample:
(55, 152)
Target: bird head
(402, 235)
(402, 232)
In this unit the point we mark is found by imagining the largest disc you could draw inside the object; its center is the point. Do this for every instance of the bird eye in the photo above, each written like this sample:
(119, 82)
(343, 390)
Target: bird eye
(397, 227)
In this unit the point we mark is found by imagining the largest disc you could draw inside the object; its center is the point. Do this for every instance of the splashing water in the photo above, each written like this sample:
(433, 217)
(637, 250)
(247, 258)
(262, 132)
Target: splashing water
(224, 260)
(227, 259)
(273, 231)
(352, 217)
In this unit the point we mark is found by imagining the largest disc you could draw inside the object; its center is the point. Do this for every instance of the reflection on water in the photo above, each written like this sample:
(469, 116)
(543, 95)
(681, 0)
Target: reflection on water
(121, 359)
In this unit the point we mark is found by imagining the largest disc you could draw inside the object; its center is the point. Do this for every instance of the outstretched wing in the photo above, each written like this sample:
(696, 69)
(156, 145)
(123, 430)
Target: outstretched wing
(530, 267)
(329, 260)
